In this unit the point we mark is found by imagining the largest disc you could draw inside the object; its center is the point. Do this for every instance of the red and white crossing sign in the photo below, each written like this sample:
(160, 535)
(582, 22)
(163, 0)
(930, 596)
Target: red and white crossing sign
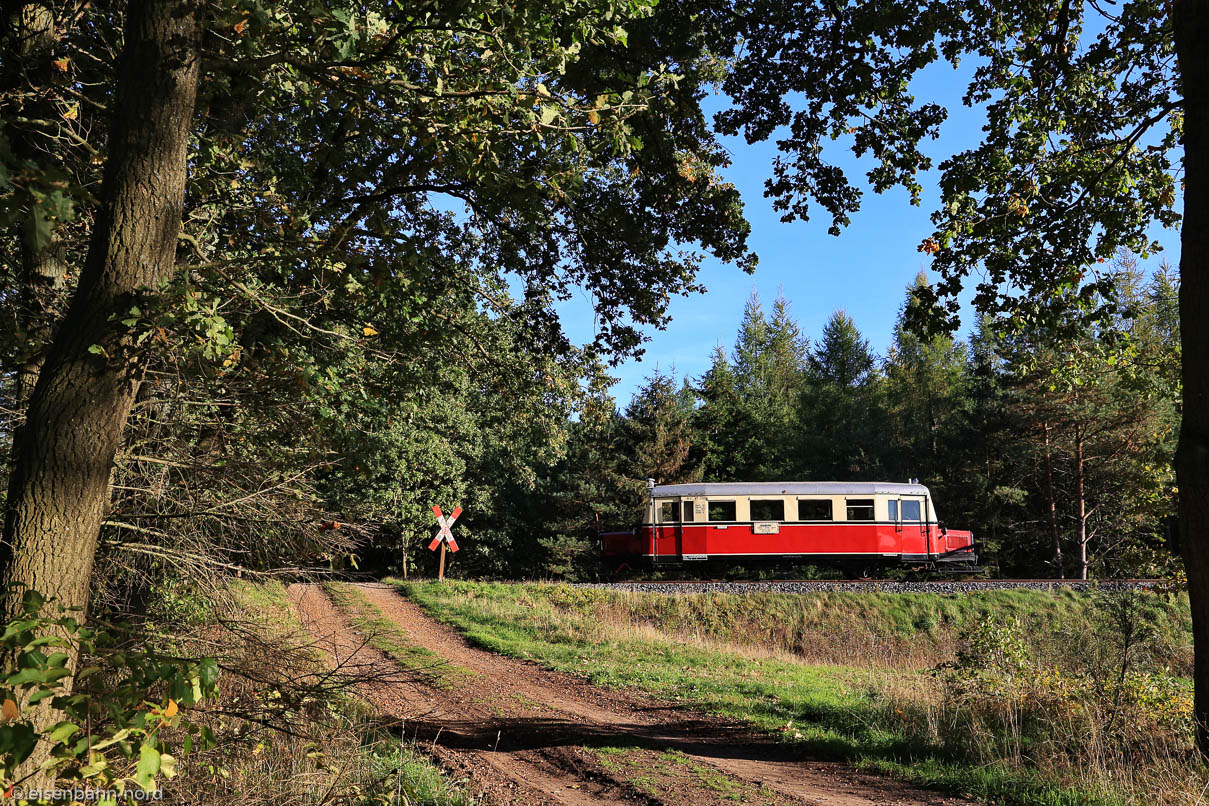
(446, 524)
(444, 536)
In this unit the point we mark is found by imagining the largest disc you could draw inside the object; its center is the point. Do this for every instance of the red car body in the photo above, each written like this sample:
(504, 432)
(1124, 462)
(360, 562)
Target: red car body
(848, 523)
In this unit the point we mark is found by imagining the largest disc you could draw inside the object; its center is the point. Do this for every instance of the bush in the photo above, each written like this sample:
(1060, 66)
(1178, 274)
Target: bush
(109, 721)
(999, 700)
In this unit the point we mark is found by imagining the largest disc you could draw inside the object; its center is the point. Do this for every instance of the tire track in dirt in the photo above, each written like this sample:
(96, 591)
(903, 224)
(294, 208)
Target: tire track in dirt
(541, 709)
(459, 732)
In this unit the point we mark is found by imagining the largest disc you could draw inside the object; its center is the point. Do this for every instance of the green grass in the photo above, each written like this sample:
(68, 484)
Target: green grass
(831, 710)
(385, 636)
(407, 776)
(267, 603)
(656, 773)
(897, 630)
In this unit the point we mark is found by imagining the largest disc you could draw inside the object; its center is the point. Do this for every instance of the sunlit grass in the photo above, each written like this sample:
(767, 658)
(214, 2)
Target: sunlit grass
(726, 655)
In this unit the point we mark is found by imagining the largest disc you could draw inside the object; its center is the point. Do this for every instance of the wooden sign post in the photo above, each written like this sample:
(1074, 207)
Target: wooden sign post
(444, 535)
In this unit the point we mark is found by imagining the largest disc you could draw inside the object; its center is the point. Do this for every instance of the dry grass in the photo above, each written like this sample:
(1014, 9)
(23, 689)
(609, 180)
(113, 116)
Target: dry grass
(289, 729)
(1037, 697)
(891, 631)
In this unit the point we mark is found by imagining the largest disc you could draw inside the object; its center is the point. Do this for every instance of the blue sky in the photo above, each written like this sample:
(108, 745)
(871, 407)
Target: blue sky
(864, 271)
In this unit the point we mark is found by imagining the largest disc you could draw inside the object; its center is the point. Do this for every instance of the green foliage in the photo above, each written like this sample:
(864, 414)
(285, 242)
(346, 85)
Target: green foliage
(842, 412)
(1099, 702)
(117, 717)
(994, 647)
(657, 434)
(1078, 159)
(385, 206)
(999, 428)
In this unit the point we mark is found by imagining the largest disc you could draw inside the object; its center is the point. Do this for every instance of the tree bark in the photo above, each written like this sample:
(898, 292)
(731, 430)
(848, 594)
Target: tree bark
(27, 49)
(1081, 496)
(80, 403)
(1055, 535)
(78, 408)
(1190, 21)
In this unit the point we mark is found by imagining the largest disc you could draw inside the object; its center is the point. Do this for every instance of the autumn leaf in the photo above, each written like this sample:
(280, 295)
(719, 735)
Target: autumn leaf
(72, 112)
(239, 26)
(62, 64)
(172, 709)
(9, 711)
(369, 331)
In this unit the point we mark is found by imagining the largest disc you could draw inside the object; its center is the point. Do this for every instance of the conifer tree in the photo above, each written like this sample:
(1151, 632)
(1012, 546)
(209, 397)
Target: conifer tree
(769, 367)
(841, 419)
(727, 433)
(657, 435)
(927, 396)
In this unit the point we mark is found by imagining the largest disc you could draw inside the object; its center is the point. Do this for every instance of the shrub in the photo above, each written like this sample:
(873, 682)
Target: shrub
(111, 717)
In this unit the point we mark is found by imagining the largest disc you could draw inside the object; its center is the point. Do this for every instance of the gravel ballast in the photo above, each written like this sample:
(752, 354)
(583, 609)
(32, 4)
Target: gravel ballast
(872, 586)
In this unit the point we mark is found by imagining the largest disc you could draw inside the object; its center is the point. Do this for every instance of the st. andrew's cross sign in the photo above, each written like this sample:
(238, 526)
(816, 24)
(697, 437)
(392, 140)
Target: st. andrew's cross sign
(444, 535)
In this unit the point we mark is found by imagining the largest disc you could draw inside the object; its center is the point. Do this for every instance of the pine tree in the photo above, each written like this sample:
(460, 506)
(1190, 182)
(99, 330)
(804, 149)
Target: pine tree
(769, 368)
(726, 431)
(657, 433)
(927, 391)
(841, 416)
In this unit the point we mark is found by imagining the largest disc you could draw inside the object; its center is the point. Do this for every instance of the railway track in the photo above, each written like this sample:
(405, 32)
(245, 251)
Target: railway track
(868, 585)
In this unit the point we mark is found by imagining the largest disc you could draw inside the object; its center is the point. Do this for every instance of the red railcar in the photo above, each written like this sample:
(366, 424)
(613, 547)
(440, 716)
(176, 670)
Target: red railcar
(857, 524)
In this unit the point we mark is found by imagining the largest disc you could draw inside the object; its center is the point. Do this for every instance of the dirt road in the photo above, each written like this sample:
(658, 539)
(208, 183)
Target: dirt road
(524, 735)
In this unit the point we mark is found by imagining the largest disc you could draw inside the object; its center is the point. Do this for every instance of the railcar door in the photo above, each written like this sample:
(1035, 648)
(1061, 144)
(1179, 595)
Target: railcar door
(909, 515)
(669, 530)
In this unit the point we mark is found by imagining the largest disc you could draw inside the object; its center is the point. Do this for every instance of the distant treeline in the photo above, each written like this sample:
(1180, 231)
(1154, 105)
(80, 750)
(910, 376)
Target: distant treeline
(1055, 448)
(1050, 446)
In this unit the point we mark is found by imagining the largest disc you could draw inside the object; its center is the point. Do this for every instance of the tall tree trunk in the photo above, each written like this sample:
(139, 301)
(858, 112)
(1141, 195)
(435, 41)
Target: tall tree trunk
(26, 51)
(1081, 496)
(78, 408)
(1055, 536)
(1190, 20)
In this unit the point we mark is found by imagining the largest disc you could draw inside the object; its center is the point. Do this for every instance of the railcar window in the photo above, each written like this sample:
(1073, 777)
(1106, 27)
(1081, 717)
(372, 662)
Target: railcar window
(814, 510)
(893, 510)
(768, 510)
(688, 511)
(911, 511)
(722, 511)
(860, 509)
(668, 511)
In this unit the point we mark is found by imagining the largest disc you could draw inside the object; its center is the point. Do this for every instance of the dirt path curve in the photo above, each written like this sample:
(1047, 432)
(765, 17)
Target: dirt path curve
(525, 735)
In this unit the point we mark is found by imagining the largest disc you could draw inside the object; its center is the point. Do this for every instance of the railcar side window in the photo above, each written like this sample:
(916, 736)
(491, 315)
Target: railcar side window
(722, 511)
(814, 510)
(860, 509)
(688, 511)
(768, 510)
(893, 510)
(668, 511)
(911, 511)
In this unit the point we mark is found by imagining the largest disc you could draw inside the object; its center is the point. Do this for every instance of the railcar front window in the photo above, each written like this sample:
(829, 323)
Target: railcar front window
(911, 511)
(667, 512)
(860, 509)
(814, 511)
(768, 510)
(722, 511)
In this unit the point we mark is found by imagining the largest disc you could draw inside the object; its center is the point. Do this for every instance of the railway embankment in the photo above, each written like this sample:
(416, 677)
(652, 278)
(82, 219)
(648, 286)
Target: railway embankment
(942, 586)
(1017, 696)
